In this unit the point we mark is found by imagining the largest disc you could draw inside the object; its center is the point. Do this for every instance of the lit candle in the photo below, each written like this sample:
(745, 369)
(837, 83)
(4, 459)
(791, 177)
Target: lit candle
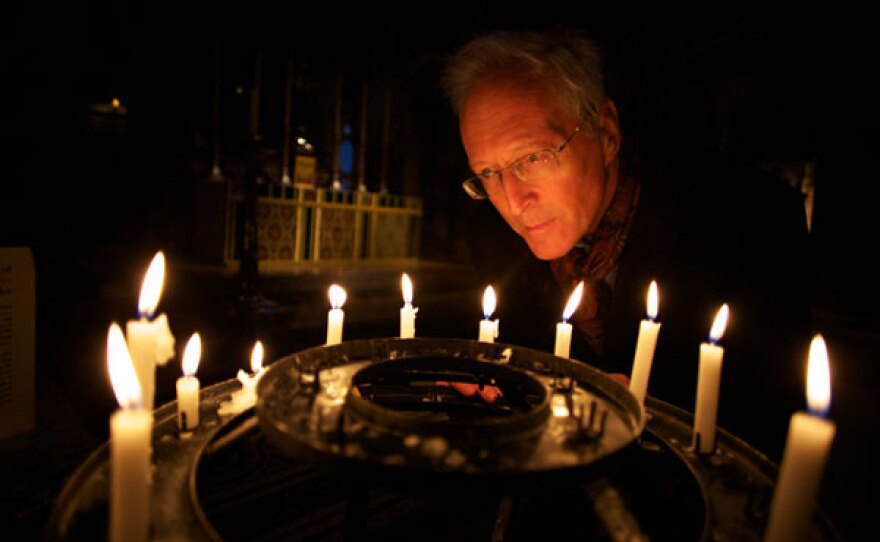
(130, 430)
(488, 328)
(149, 339)
(249, 382)
(806, 451)
(407, 313)
(563, 328)
(708, 382)
(188, 385)
(647, 341)
(335, 316)
(246, 397)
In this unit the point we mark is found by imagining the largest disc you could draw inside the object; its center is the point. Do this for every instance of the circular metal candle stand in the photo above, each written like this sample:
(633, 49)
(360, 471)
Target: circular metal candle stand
(486, 441)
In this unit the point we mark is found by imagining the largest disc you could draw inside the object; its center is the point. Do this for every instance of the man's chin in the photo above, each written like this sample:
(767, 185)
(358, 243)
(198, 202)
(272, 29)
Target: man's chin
(546, 252)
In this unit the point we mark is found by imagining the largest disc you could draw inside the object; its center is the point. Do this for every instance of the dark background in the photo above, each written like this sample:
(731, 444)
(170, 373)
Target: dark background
(95, 198)
(775, 86)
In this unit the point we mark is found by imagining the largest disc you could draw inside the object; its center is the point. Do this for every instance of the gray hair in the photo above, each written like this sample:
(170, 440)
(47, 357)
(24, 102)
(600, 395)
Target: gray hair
(569, 62)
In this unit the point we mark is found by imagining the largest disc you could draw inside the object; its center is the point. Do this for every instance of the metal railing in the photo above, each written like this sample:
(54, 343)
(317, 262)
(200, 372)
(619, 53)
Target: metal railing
(298, 226)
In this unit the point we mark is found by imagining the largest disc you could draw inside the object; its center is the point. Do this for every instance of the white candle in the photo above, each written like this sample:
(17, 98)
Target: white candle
(249, 384)
(246, 397)
(647, 341)
(407, 313)
(130, 431)
(149, 339)
(488, 328)
(708, 382)
(563, 328)
(188, 386)
(335, 316)
(806, 451)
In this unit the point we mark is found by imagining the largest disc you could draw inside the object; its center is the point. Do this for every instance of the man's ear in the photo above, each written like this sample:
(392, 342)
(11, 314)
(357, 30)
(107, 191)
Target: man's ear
(609, 132)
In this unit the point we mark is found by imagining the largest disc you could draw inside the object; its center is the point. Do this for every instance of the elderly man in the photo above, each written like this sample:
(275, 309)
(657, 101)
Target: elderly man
(545, 145)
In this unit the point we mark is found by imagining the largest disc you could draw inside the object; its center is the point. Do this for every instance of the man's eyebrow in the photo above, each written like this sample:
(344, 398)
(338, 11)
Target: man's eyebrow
(520, 150)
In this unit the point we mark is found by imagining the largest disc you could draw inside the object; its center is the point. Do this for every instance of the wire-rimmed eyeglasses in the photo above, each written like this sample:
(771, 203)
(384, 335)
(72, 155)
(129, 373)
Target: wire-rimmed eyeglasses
(534, 167)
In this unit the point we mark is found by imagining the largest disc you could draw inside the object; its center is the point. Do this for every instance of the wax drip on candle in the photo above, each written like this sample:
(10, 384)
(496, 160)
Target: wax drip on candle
(151, 288)
(249, 382)
(149, 338)
(719, 325)
(246, 397)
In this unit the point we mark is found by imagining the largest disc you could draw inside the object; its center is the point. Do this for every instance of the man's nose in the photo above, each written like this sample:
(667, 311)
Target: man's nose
(519, 195)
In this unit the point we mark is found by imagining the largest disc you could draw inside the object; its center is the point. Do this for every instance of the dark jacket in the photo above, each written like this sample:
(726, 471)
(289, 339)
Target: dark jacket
(709, 230)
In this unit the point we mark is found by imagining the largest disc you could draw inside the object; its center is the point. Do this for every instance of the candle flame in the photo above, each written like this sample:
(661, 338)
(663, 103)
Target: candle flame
(573, 301)
(122, 374)
(719, 325)
(406, 286)
(488, 302)
(337, 296)
(191, 355)
(818, 378)
(257, 357)
(653, 300)
(151, 288)
(115, 103)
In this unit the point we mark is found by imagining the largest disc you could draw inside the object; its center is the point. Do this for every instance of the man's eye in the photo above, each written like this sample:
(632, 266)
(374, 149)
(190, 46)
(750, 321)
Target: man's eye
(533, 158)
(486, 173)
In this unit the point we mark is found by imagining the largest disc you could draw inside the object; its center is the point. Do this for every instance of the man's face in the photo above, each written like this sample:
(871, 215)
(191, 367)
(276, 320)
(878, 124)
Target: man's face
(502, 121)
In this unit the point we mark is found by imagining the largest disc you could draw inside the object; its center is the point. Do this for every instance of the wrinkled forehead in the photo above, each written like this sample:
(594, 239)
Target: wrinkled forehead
(504, 99)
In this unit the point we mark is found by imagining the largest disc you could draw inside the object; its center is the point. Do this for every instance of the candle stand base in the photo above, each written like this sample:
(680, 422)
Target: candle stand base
(312, 461)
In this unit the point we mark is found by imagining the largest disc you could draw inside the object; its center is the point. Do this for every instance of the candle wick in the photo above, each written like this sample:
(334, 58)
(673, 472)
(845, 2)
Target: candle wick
(819, 412)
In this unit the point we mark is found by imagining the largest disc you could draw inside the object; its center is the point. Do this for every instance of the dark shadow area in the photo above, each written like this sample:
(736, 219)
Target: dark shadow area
(95, 194)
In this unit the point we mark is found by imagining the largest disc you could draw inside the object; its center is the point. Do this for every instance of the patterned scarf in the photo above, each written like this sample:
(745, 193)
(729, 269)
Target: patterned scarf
(593, 258)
